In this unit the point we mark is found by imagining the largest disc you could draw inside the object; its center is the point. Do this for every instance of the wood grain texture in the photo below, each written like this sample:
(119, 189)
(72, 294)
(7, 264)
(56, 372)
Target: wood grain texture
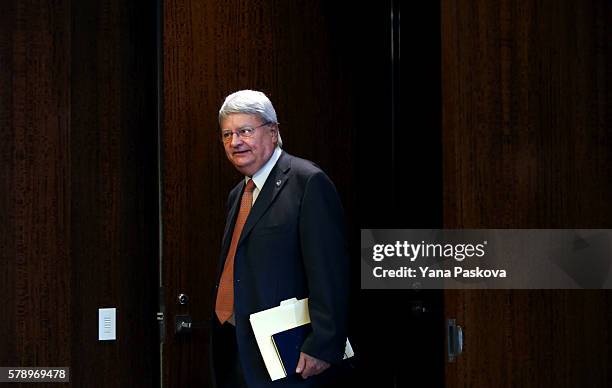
(527, 144)
(532, 338)
(526, 114)
(36, 197)
(78, 205)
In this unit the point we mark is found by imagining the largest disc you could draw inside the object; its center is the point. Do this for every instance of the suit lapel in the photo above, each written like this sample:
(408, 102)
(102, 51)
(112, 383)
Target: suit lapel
(274, 184)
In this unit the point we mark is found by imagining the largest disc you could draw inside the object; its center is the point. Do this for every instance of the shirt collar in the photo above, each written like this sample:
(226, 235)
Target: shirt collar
(260, 177)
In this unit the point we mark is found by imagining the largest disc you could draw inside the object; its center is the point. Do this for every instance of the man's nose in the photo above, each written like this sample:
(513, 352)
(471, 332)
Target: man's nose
(236, 140)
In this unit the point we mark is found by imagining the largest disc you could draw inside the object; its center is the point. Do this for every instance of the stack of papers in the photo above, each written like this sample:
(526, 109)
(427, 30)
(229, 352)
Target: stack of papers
(291, 314)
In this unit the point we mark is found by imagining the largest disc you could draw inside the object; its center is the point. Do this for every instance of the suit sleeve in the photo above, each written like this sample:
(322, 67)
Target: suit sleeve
(323, 244)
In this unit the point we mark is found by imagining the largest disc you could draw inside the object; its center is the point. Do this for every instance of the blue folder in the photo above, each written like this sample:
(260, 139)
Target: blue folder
(288, 346)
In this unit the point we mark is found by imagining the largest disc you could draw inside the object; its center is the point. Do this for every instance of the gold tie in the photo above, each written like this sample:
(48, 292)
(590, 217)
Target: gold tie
(224, 307)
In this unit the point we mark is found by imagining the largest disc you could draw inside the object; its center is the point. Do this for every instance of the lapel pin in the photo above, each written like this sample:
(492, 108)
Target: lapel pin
(278, 183)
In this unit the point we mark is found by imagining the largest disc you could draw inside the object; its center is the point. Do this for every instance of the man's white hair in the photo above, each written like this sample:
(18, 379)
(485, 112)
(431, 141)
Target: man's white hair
(250, 102)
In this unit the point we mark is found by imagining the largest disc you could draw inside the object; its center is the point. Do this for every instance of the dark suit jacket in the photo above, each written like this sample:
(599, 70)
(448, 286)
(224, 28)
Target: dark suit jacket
(292, 246)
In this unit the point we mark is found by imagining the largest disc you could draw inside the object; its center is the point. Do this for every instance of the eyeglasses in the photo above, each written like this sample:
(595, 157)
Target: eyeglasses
(243, 133)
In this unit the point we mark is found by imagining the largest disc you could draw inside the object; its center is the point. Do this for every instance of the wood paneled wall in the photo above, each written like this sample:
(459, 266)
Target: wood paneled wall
(527, 131)
(78, 208)
(527, 143)
(35, 201)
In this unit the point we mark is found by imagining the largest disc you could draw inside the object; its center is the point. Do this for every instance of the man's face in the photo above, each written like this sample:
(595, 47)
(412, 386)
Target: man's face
(249, 154)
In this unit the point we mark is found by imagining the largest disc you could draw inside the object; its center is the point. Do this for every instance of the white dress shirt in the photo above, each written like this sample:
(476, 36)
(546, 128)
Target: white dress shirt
(260, 177)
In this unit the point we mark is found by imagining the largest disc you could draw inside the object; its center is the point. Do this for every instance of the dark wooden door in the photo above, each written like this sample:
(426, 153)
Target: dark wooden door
(527, 143)
(291, 51)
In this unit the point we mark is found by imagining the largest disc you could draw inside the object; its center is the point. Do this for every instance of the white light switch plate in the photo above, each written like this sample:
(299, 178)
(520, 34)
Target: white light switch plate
(107, 324)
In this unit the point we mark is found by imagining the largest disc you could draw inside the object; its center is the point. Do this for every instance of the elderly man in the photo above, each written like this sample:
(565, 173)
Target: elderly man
(284, 238)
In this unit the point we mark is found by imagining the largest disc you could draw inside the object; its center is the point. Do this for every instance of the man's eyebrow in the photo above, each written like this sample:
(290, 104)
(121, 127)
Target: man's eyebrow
(244, 126)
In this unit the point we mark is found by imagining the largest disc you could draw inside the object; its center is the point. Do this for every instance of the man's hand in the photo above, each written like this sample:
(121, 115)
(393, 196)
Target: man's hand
(309, 366)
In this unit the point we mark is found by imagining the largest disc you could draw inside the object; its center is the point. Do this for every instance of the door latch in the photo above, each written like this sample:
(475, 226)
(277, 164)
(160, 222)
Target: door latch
(183, 324)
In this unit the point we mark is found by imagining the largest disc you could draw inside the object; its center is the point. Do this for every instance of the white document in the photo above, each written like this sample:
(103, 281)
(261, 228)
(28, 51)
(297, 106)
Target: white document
(291, 313)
